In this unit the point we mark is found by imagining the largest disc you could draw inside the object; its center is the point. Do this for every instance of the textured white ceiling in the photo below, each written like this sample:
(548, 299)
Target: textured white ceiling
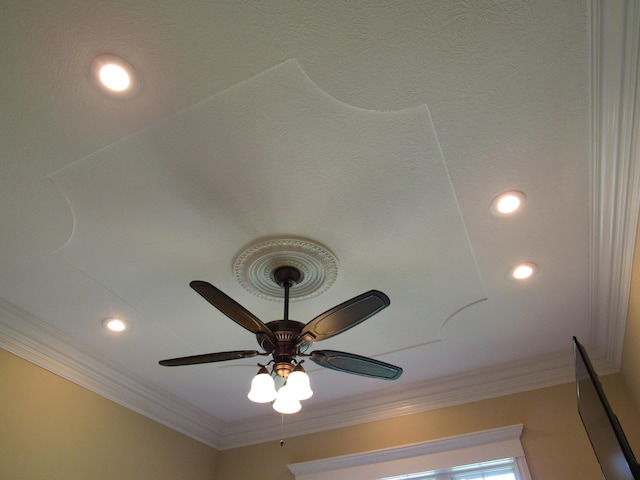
(275, 156)
(381, 130)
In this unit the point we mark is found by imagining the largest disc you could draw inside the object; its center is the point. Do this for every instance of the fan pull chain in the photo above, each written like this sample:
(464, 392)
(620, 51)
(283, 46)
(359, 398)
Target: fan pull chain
(282, 430)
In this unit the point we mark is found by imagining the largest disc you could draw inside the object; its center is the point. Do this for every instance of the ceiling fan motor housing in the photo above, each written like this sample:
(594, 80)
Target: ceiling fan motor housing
(286, 275)
(287, 333)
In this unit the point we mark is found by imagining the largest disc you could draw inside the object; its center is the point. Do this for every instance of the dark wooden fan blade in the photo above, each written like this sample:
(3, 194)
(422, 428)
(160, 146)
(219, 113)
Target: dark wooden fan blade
(356, 364)
(344, 316)
(209, 358)
(231, 308)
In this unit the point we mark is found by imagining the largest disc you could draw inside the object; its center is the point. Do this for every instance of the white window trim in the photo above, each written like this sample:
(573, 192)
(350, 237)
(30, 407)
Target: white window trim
(488, 445)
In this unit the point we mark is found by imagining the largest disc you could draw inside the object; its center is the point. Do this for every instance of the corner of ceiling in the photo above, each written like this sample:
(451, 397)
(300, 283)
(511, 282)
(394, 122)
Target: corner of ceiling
(32, 339)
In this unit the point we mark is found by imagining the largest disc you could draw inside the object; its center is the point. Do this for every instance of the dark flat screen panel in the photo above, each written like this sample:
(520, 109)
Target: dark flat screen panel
(605, 433)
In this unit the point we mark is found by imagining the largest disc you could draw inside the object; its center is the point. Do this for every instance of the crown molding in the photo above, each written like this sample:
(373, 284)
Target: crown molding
(615, 113)
(34, 340)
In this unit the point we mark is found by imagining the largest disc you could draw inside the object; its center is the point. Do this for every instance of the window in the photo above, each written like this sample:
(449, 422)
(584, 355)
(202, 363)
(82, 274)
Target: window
(496, 475)
(496, 470)
(489, 455)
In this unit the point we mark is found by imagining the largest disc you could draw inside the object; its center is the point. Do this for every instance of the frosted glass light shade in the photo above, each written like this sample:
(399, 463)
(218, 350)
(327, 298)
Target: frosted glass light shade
(298, 381)
(263, 389)
(286, 401)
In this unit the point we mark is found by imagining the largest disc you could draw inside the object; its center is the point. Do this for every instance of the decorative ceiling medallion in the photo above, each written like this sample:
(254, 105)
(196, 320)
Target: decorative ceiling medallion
(254, 268)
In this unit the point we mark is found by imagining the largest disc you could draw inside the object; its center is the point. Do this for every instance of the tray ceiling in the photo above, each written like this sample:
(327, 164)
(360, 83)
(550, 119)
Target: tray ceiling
(381, 131)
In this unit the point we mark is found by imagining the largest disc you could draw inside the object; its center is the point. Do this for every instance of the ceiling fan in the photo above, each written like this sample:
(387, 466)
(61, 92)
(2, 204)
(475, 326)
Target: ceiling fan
(286, 339)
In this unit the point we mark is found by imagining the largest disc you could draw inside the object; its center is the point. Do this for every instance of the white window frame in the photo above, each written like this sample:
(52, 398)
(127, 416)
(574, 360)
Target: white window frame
(479, 447)
(463, 470)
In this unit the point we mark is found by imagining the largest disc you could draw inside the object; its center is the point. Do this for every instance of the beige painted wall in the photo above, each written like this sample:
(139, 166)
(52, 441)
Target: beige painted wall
(554, 440)
(53, 429)
(630, 367)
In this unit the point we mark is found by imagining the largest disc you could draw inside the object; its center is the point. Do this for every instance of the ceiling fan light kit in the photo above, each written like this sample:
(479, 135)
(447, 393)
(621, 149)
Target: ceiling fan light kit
(299, 381)
(286, 401)
(263, 389)
(297, 387)
(285, 340)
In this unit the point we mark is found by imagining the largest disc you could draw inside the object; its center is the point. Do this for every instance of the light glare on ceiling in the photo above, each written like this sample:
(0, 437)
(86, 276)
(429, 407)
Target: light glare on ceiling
(523, 271)
(115, 324)
(115, 76)
(508, 203)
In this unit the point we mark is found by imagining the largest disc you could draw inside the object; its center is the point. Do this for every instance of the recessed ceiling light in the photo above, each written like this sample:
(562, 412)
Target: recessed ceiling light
(523, 271)
(508, 203)
(115, 324)
(114, 75)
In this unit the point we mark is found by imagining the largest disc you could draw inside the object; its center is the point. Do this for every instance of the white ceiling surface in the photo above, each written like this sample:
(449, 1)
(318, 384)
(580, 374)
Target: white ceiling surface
(380, 130)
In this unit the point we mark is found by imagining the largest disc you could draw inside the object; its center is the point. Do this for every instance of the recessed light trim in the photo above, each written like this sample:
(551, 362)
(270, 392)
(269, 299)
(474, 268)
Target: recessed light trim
(115, 76)
(116, 325)
(524, 271)
(508, 203)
